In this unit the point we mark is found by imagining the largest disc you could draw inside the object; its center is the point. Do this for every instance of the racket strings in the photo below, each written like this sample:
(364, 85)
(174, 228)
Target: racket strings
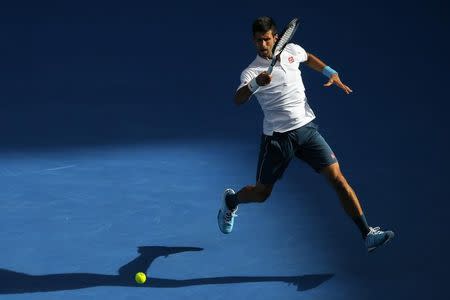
(285, 37)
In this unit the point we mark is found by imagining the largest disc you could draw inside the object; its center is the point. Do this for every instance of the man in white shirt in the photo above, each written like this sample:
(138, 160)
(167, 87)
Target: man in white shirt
(288, 130)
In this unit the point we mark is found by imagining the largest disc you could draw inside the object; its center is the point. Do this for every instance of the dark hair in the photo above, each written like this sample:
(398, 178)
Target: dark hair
(264, 24)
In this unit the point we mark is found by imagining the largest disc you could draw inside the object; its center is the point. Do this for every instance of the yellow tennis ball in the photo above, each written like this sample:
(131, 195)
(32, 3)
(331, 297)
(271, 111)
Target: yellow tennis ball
(140, 277)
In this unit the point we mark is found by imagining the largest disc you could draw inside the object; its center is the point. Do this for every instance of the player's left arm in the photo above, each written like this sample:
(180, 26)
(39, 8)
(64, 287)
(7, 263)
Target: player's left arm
(316, 64)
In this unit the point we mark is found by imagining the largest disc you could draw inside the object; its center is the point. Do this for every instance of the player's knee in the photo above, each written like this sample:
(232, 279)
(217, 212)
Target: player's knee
(264, 194)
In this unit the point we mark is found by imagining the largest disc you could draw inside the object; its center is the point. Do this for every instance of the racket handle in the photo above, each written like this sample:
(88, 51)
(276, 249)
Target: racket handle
(269, 70)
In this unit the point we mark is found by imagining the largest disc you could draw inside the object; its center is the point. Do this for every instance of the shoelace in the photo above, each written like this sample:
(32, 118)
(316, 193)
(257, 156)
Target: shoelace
(375, 230)
(229, 215)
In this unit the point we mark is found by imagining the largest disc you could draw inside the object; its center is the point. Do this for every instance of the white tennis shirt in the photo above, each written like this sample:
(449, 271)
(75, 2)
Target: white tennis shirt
(283, 100)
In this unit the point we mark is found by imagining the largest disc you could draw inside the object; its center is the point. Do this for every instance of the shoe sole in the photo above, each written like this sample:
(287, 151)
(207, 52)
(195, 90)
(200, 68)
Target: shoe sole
(218, 224)
(218, 213)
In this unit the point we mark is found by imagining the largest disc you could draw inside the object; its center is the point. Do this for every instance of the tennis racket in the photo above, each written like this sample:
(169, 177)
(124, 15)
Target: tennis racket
(282, 41)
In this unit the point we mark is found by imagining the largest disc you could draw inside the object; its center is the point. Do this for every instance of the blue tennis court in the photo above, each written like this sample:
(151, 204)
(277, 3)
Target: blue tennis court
(111, 165)
(80, 223)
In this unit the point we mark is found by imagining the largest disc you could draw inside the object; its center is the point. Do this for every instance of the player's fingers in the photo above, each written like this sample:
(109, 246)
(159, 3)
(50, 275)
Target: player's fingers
(347, 90)
(340, 84)
(263, 78)
(344, 87)
(330, 82)
(266, 80)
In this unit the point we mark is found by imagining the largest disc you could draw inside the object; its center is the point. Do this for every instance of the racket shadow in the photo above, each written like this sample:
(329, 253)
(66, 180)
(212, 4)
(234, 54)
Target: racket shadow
(12, 282)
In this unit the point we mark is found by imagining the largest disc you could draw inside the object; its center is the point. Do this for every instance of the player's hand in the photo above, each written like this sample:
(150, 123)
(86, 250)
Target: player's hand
(334, 79)
(263, 79)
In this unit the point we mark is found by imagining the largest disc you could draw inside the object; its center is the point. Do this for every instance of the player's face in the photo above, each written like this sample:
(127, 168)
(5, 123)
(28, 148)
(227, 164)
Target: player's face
(264, 42)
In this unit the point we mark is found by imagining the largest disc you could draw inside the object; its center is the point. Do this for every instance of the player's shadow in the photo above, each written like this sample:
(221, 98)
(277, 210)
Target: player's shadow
(16, 283)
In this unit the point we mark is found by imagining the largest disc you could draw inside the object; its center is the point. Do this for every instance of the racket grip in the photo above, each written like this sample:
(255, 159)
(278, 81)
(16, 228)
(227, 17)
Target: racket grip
(269, 70)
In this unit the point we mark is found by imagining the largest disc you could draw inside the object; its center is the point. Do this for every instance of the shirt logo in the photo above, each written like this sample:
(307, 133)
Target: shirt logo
(291, 59)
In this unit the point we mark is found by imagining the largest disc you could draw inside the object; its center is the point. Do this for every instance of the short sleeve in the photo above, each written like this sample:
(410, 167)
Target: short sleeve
(300, 53)
(246, 76)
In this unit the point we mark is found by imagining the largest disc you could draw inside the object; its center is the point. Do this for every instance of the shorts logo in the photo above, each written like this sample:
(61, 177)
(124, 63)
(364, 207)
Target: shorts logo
(291, 59)
(333, 156)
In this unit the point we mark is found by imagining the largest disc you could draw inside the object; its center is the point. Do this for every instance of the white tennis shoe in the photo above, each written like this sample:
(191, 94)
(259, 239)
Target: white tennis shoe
(377, 237)
(225, 216)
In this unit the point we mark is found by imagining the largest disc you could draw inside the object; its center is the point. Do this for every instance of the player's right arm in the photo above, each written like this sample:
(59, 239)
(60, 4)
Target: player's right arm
(244, 92)
(242, 95)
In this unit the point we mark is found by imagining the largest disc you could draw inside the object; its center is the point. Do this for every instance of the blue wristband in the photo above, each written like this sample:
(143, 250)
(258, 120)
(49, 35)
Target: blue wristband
(327, 71)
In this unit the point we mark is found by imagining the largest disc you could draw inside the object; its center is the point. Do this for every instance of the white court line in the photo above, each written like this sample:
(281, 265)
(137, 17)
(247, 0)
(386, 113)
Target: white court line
(60, 168)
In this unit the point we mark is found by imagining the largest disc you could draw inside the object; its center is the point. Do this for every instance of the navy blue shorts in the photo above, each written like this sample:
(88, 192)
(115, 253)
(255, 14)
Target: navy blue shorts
(277, 151)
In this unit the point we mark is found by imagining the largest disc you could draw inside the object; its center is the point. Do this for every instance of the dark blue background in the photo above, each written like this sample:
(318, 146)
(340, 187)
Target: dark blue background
(133, 72)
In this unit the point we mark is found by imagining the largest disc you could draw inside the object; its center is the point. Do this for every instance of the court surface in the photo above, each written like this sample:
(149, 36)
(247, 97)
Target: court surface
(79, 223)
(118, 138)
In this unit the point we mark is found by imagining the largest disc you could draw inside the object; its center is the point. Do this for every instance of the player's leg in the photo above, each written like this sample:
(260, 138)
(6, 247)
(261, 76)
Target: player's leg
(274, 157)
(317, 153)
(254, 193)
(257, 193)
(346, 195)
(373, 236)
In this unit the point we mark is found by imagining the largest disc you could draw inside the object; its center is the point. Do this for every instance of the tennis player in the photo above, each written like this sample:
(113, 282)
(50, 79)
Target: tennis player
(289, 130)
